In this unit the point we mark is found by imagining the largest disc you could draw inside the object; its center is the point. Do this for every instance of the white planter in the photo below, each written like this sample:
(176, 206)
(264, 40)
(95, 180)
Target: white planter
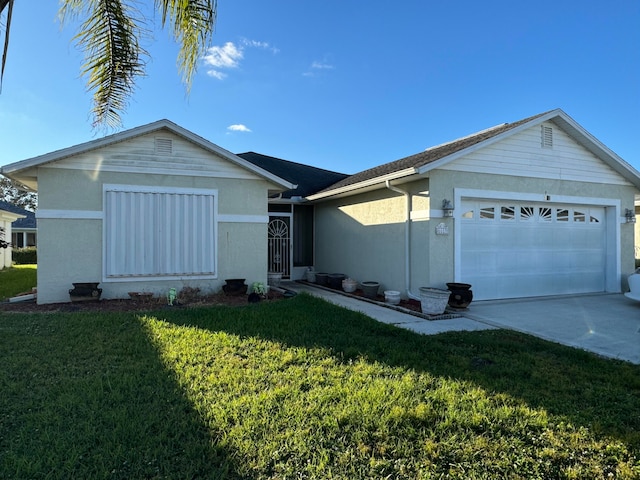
(634, 286)
(433, 300)
(310, 276)
(274, 279)
(349, 285)
(392, 297)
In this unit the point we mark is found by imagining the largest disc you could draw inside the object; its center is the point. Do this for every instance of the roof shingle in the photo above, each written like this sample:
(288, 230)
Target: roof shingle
(427, 156)
(309, 179)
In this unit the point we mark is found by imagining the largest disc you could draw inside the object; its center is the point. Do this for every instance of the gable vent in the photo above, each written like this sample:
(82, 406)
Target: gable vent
(164, 146)
(547, 137)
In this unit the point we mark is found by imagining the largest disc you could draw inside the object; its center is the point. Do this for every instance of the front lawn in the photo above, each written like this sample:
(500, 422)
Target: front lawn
(303, 389)
(17, 279)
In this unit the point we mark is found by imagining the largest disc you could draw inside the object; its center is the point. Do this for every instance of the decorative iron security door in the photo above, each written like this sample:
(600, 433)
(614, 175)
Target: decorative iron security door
(279, 239)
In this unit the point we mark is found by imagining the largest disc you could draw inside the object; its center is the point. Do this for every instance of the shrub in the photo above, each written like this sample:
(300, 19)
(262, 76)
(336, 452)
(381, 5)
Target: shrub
(25, 256)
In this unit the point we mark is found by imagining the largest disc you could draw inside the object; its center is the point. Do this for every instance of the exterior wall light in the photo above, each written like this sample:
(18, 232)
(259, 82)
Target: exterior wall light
(629, 215)
(447, 208)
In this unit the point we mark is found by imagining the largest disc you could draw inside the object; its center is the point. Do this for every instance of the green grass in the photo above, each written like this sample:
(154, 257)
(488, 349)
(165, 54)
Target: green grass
(17, 279)
(303, 389)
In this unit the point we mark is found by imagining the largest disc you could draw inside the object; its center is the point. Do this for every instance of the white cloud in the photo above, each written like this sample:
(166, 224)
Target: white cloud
(224, 57)
(256, 44)
(229, 55)
(316, 67)
(217, 74)
(321, 66)
(238, 128)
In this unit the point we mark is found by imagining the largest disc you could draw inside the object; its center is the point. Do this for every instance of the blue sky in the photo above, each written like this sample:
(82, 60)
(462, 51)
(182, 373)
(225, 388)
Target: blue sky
(346, 85)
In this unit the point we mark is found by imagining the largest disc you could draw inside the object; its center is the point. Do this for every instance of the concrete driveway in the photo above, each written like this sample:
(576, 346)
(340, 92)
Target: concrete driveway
(606, 324)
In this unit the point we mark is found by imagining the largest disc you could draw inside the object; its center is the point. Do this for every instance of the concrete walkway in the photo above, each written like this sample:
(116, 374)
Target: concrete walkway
(606, 324)
(391, 316)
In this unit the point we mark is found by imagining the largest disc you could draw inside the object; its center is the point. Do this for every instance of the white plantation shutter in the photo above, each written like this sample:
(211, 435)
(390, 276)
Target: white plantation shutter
(159, 233)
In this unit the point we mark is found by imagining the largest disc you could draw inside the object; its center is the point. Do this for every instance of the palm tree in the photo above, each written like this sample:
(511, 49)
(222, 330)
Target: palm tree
(110, 35)
(8, 6)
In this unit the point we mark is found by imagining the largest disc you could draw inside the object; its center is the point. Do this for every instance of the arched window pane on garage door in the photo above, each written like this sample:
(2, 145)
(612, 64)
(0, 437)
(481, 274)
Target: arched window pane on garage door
(152, 233)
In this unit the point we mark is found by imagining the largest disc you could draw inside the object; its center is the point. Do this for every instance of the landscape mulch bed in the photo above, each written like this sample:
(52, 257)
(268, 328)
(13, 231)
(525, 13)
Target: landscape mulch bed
(125, 305)
(406, 305)
(156, 303)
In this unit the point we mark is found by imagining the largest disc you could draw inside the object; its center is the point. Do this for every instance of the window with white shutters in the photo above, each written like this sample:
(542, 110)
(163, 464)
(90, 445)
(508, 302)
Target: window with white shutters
(155, 232)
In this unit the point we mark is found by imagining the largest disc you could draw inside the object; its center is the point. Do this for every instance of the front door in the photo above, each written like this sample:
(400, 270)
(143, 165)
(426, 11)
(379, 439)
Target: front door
(279, 245)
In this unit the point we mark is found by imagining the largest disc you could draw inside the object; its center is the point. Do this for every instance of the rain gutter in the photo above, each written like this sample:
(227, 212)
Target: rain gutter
(407, 238)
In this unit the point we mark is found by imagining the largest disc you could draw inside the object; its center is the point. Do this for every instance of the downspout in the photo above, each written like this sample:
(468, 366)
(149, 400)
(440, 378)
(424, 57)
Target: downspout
(407, 239)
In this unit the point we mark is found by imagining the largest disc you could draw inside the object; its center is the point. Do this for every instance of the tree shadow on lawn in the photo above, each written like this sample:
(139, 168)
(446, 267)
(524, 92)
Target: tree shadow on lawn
(582, 388)
(87, 396)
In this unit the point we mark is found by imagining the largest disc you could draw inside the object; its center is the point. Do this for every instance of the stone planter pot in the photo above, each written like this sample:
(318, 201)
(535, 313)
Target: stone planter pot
(461, 295)
(235, 286)
(85, 292)
(335, 280)
(141, 296)
(370, 289)
(274, 278)
(433, 301)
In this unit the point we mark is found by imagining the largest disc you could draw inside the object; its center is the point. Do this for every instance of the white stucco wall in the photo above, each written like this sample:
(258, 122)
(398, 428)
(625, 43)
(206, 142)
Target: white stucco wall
(364, 236)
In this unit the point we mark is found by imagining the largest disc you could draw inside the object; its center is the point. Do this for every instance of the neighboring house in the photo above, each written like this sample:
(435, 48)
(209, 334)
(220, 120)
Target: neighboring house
(6, 218)
(24, 230)
(531, 208)
(147, 209)
(538, 208)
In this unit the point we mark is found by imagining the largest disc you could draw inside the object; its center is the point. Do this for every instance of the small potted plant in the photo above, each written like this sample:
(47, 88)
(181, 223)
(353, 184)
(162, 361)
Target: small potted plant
(258, 292)
(259, 288)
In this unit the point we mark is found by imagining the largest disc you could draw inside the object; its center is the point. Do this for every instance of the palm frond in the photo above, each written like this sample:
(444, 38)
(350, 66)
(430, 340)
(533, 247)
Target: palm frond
(109, 37)
(193, 23)
(8, 4)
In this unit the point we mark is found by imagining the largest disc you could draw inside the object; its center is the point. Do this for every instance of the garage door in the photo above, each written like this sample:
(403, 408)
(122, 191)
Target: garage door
(511, 249)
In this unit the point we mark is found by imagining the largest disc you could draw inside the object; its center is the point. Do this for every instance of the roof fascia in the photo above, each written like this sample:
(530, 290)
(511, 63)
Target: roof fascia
(10, 216)
(370, 184)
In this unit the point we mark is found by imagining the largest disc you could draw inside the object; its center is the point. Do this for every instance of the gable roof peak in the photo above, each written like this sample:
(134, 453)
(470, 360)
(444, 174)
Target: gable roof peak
(13, 170)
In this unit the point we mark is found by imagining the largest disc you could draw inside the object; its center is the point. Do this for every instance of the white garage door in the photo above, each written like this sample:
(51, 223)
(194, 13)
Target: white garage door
(513, 249)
